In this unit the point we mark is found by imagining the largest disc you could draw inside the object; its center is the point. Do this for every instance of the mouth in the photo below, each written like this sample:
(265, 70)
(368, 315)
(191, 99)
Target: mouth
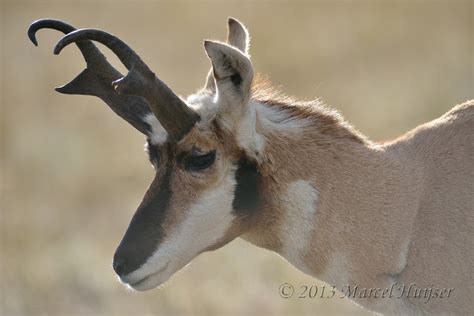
(150, 281)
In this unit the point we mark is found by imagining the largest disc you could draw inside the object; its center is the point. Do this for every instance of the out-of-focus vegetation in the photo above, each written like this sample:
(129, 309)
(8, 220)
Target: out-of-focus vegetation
(73, 172)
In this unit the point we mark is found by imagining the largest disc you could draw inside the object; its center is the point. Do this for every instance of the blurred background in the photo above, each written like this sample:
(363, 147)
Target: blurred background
(73, 173)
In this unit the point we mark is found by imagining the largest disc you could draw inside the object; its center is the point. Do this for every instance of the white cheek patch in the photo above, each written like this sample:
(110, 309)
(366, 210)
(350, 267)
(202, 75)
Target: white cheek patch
(158, 133)
(204, 224)
(299, 205)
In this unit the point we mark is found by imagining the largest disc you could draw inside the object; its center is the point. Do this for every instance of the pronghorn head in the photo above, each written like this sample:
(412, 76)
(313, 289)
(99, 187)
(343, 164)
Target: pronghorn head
(203, 150)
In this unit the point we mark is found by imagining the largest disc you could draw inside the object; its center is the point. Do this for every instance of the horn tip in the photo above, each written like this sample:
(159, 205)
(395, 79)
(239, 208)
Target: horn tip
(57, 49)
(32, 36)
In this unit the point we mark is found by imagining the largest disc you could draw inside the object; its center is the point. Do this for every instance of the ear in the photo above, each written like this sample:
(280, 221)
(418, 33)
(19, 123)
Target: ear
(233, 74)
(238, 37)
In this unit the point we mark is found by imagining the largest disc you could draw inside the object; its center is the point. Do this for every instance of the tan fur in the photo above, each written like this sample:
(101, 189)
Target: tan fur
(399, 212)
(339, 207)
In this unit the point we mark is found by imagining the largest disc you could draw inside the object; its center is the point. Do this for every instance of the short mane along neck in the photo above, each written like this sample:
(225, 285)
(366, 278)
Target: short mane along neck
(336, 203)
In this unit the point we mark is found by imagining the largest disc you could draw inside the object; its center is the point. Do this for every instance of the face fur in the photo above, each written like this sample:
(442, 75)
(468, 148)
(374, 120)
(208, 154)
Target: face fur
(189, 208)
(203, 149)
(205, 183)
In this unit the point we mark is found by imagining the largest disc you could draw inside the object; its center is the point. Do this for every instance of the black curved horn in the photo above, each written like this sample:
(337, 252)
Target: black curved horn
(172, 112)
(96, 79)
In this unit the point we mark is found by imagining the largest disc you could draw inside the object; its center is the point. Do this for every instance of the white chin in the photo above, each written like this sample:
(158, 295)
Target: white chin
(150, 282)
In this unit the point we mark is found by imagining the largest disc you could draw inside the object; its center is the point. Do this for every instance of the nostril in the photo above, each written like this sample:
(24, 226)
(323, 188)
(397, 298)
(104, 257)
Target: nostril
(119, 265)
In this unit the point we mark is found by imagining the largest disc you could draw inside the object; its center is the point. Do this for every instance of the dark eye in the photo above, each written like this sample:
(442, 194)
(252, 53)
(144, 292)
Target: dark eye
(200, 162)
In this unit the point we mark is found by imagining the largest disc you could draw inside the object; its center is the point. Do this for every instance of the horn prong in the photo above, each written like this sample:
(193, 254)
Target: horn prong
(172, 112)
(96, 78)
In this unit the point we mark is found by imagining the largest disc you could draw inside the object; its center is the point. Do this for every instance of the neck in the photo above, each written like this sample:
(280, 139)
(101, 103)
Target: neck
(336, 206)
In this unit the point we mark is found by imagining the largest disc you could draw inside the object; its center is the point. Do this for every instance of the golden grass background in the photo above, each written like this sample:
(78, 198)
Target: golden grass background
(73, 173)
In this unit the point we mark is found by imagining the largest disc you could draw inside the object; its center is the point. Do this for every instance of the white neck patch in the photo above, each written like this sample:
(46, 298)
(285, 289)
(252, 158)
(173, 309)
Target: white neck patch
(299, 205)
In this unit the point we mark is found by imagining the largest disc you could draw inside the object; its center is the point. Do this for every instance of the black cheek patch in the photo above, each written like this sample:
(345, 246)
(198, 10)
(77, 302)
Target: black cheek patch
(247, 192)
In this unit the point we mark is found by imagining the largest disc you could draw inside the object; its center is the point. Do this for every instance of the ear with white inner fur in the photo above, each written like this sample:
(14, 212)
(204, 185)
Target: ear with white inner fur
(233, 75)
(237, 36)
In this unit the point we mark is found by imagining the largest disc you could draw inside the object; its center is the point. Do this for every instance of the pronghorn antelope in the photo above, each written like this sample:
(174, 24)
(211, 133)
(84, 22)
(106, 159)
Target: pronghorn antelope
(239, 159)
